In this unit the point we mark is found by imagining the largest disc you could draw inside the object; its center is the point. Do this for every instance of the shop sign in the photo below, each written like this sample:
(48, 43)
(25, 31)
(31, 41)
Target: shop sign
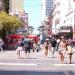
(67, 31)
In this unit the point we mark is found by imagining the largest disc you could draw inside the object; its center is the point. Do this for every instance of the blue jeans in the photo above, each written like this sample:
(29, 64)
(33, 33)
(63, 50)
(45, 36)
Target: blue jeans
(1, 47)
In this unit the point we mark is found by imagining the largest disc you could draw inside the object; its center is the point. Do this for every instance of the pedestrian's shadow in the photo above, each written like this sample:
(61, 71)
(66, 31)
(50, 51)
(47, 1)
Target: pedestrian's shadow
(53, 57)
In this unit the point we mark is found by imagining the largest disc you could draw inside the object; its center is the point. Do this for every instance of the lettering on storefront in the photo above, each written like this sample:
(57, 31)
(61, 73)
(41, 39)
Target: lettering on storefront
(66, 29)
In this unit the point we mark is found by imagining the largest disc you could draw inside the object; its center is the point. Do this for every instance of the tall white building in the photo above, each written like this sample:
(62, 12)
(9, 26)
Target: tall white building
(47, 6)
(63, 16)
(59, 14)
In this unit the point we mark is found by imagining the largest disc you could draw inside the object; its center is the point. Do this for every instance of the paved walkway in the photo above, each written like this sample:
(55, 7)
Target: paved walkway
(36, 61)
(36, 57)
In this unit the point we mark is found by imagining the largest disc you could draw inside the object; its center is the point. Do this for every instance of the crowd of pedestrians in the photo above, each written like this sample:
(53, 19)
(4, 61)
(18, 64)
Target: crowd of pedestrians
(27, 46)
(62, 46)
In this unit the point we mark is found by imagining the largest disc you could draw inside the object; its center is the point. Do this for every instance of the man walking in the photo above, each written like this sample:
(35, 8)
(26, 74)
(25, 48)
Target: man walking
(53, 46)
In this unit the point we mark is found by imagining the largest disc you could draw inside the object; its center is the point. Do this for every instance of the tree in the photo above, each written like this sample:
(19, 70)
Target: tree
(6, 5)
(1, 26)
(8, 24)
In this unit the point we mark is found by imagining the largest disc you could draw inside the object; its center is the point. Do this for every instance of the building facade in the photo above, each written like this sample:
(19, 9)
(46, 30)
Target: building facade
(16, 5)
(1, 5)
(58, 14)
(63, 18)
(16, 8)
(47, 6)
(47, 9)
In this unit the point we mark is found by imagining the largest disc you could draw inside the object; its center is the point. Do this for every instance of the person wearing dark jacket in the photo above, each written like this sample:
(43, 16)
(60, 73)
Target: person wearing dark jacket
(53, 46)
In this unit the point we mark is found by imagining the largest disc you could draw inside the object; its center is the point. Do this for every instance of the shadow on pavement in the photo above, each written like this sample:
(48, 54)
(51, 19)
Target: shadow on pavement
(27, 58)
(36, 73)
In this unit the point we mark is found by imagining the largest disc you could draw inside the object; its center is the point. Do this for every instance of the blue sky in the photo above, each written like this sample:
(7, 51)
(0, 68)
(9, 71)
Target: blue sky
(33, 8)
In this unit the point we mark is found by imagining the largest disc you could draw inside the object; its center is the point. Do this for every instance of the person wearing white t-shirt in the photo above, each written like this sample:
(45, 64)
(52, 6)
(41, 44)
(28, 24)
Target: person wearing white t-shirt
(62, 50)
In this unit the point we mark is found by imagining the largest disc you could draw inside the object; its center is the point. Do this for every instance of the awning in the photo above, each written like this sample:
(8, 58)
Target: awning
(32, 36)
(15, 36)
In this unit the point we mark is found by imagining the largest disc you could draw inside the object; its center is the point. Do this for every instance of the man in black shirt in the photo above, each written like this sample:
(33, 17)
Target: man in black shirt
(53, 46)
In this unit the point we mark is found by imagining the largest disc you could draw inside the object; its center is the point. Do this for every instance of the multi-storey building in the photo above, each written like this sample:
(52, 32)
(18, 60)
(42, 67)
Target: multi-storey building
(63, 17)
(58, 14)
(11, 5)
(4, 5)
(16, 5)
(47, 8)
(1, 5)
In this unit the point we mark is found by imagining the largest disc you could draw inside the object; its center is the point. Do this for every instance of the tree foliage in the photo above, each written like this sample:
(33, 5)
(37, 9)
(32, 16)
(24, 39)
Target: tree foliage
(8, 24)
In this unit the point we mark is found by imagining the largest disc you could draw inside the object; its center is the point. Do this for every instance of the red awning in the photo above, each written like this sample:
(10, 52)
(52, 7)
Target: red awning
(32, 36)
(15, 36)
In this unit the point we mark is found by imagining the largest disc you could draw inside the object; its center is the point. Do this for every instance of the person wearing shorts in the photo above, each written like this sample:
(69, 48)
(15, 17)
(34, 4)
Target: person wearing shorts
(62, 50)
(20, 47)
(46, 47)
(70, 53)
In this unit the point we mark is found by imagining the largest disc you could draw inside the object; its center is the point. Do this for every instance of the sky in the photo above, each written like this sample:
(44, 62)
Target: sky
(33, 8)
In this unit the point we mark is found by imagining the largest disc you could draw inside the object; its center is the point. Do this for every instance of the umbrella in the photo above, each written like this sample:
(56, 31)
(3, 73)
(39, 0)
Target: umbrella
(26, 41)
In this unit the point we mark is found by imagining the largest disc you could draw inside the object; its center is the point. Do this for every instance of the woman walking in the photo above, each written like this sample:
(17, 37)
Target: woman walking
(62, 50)
(46, 47)
(20, 47)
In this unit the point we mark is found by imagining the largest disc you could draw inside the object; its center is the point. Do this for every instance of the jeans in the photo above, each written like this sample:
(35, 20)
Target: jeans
(53, 51)
(1, 47)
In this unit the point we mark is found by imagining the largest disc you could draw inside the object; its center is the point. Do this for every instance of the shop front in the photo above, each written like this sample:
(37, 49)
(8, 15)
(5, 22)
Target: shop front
(66, 31)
